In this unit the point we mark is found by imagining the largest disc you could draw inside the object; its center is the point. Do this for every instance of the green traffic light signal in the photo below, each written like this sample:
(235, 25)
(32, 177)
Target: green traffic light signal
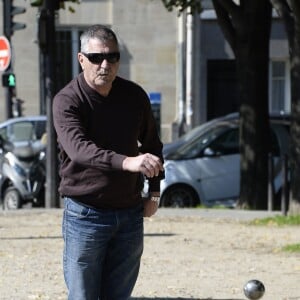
(9, 80)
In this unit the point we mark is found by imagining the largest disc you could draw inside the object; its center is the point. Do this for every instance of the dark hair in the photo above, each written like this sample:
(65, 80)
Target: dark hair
(98, 31)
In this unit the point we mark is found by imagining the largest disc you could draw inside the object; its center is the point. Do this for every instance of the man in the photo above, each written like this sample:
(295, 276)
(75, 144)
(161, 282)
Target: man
(108, 140)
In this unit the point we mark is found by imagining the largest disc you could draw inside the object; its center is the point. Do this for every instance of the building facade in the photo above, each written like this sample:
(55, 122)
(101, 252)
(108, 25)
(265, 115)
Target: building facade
(218, 73)
(154, 53)
(147, 35)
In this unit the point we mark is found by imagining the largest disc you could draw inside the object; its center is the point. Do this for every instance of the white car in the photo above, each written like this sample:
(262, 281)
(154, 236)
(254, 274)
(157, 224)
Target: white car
(205, 169)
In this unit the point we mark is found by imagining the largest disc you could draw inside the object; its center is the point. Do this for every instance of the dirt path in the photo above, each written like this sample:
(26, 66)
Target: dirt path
(185, 257)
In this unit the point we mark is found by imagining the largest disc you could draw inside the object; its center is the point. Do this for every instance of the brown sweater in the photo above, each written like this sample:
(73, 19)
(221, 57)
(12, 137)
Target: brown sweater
(95, 134)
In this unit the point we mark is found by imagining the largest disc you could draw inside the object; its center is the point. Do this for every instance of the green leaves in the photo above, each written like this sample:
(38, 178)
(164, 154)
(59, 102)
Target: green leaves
(70, 8)
(194, 6)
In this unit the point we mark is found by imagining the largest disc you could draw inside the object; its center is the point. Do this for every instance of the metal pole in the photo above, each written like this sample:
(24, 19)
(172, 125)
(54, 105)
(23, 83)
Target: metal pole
(8, 97)
(7, 33)
(285, 188)
(271, 183)
(180, 73)
(51, 197)
(189, 69)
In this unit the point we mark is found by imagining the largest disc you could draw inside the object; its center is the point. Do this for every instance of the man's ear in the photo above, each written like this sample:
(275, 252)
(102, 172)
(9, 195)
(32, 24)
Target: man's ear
(80, 60)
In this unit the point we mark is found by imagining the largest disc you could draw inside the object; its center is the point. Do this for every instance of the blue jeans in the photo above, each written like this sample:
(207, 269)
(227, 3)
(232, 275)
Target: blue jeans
(102, 251)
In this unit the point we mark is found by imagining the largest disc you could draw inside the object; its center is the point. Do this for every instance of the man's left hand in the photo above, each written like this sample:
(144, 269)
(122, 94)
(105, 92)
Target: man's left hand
(150, 207)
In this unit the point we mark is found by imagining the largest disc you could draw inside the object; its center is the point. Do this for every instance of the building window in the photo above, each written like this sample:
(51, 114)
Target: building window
(279, 87)
(67, 47)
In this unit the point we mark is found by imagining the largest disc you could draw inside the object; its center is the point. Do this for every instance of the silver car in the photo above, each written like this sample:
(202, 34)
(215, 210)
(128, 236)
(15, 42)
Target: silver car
(205, 169)
(29, 128)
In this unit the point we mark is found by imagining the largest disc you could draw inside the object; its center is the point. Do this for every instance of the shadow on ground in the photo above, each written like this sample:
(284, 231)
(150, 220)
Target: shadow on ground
(59, 237)
(180, 298)
(30, 238)
(159, 234)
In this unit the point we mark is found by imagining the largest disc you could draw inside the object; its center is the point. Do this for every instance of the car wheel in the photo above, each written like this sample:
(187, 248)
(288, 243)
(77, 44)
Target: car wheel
(12, 199)
(179, 196)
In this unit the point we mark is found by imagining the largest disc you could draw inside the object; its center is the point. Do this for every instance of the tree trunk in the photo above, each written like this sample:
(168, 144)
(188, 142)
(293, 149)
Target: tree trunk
(246, 27)
(253, 60)
(290, 13)
(254, 127)
(295, 125)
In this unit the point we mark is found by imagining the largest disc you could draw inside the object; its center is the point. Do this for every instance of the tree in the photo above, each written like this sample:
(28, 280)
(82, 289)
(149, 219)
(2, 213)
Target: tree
(246, 26)
(290, 13)
(181, 5)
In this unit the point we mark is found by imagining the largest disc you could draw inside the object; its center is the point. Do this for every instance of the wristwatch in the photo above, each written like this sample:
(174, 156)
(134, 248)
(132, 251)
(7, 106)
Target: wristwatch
(155, 199)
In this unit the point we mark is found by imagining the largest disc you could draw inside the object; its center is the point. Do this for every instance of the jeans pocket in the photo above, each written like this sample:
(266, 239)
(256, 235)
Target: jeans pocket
(76, 209)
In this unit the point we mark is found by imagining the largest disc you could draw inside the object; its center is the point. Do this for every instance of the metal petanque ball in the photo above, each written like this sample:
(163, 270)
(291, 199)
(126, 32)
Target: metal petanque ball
(254, 289)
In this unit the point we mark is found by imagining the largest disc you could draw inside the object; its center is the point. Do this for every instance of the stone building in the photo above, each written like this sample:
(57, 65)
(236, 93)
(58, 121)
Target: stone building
(154, 54)
(147, 34)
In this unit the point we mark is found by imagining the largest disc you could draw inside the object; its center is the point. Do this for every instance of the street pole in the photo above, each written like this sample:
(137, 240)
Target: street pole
(51, 196)
(8, 97)
(7, 33)
(181, 43)
(189, 69)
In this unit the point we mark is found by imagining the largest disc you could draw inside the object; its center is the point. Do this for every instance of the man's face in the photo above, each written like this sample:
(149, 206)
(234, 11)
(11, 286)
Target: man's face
(99, 75)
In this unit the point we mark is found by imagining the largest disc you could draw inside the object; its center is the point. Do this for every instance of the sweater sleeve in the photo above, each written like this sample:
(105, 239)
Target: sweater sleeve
(68, 119)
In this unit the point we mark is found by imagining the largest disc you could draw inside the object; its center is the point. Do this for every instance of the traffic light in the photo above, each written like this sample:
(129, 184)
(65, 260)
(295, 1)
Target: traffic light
(9, 80)
(9, 12)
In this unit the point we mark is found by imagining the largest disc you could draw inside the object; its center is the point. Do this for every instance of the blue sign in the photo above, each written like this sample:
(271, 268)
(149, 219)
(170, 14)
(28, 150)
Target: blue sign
(155, 98)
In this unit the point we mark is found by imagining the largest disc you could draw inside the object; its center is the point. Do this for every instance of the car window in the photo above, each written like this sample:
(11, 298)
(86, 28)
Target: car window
(22, 131)
(227, 143)
(3, 133)
(194, 148)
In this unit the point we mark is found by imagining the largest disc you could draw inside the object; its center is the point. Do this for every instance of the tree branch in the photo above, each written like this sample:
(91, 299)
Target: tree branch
(295, 6)
(182, 5)
(231, 8)
(223, 11)
(284, 10)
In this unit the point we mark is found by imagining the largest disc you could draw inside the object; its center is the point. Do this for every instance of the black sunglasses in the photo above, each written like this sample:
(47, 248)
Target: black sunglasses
(98, 58)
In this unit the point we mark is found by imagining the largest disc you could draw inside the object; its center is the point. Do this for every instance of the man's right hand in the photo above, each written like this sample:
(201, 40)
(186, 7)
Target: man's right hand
(148, 164)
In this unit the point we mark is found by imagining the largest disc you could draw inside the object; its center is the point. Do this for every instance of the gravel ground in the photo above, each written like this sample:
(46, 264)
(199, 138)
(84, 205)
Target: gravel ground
(189, 254)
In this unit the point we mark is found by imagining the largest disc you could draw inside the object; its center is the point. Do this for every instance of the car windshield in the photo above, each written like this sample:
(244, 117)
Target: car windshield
(197, 130)
(23, 131)
(196, 146)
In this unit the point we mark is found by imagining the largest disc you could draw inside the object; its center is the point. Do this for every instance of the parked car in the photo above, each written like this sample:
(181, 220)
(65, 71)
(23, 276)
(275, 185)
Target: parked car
(205, 168)
(190, 135)
(23, 128)
(22, 162)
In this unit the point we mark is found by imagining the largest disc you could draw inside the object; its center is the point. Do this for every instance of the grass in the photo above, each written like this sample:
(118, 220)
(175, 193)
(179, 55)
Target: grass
(278, 220)
(295, 248)
(282, 221)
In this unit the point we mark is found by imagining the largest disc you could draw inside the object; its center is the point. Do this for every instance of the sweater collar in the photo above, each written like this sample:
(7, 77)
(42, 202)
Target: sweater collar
(90, 91)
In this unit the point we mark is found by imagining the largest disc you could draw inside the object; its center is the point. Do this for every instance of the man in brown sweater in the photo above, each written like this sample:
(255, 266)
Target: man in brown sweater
(108, 142)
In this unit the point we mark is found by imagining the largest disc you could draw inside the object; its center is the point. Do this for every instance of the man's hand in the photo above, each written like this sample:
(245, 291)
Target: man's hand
(148, 164)
(150, 207)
